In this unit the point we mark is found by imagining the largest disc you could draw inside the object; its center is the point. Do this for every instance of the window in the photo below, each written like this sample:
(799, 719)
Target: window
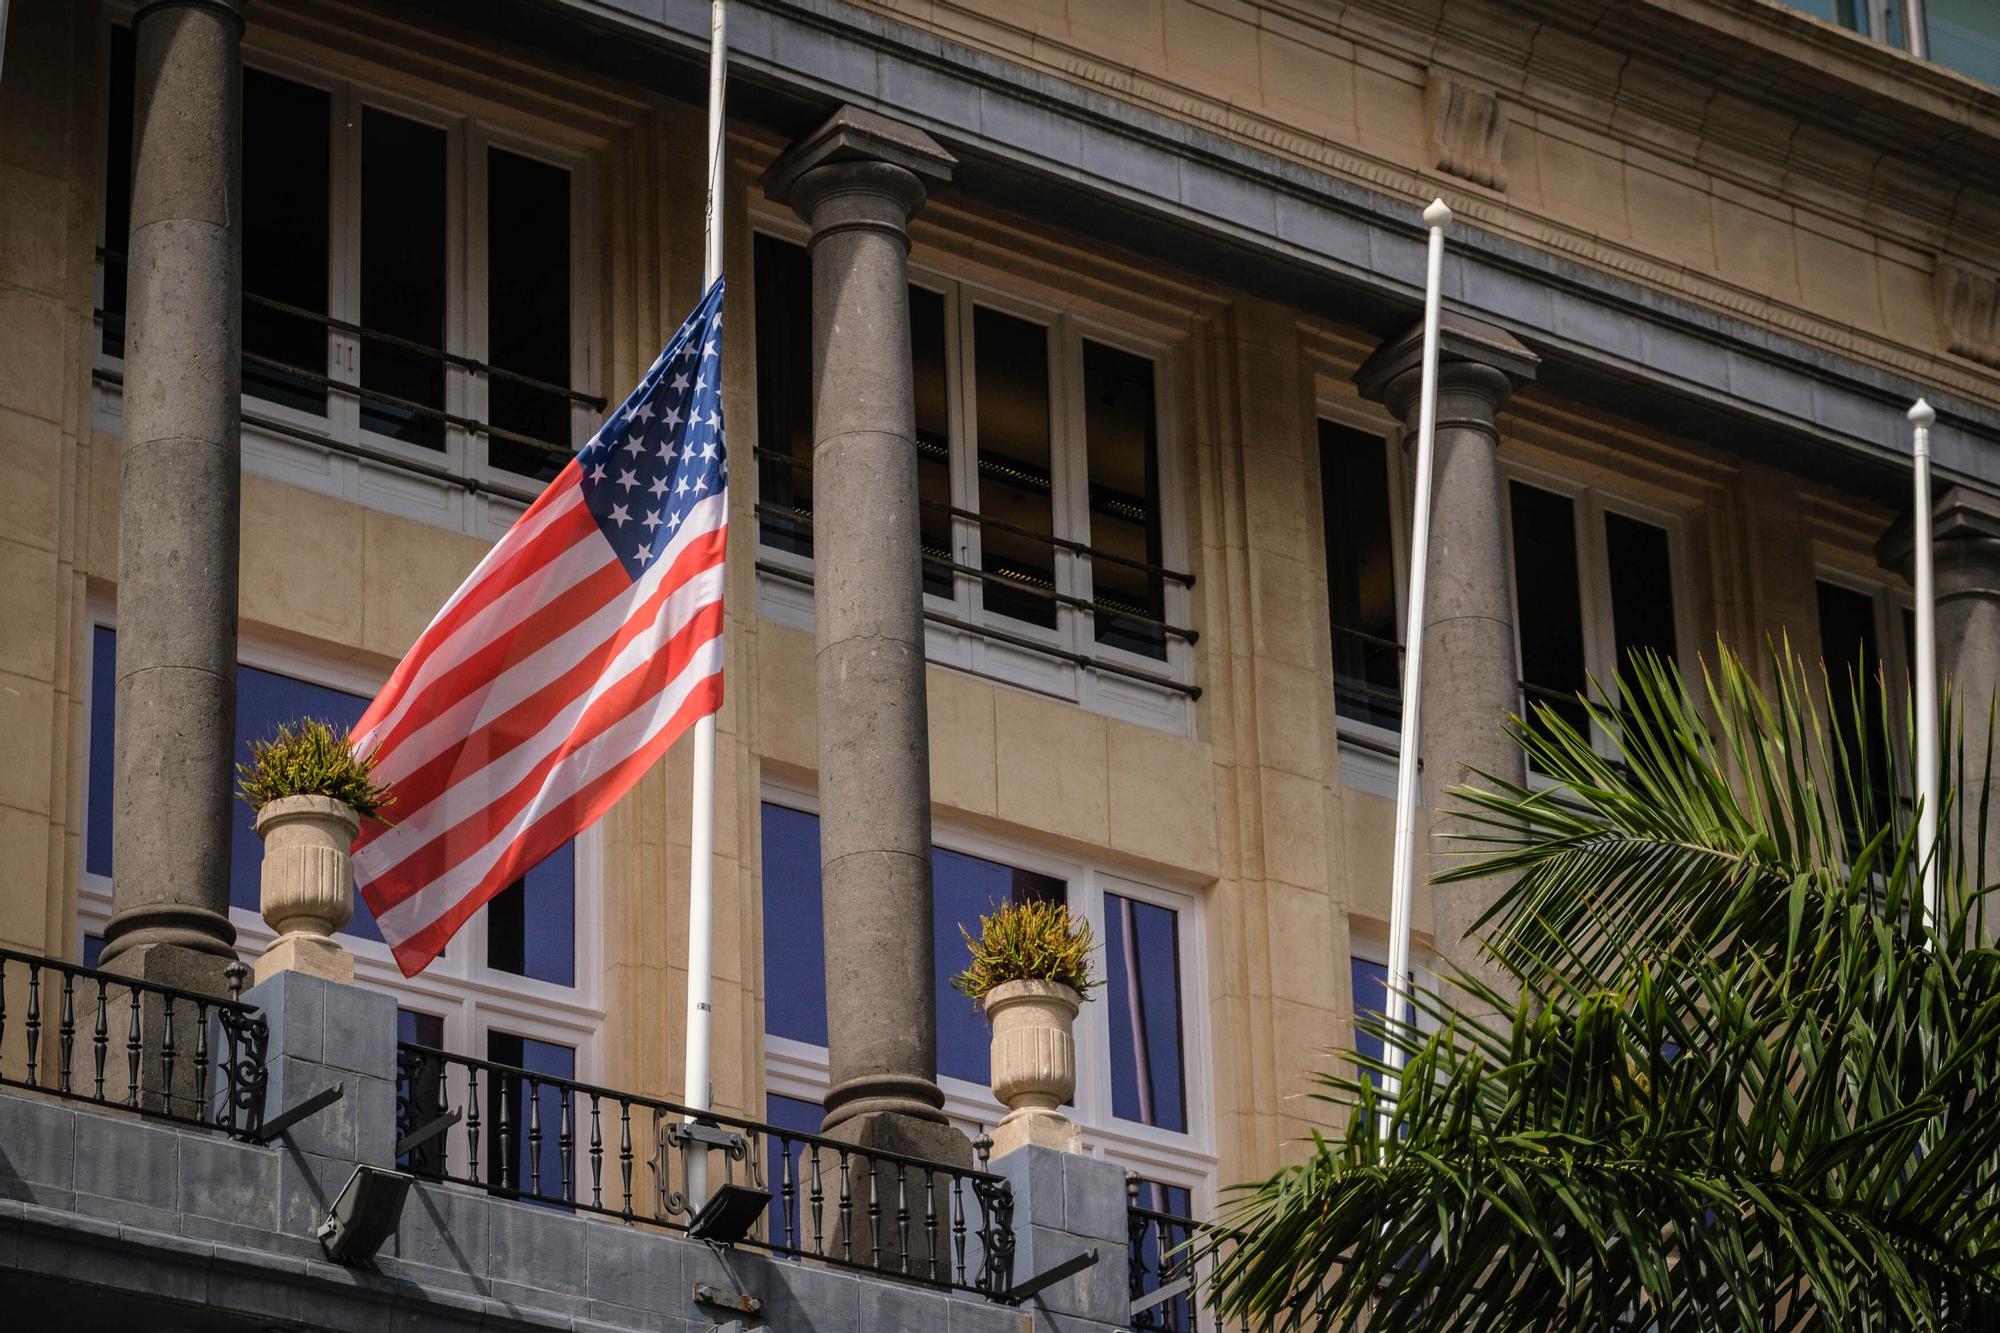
(1137, 1097)
(414, 287)
(1358, 509)
(523, 963)
(1959, 34)
(1867, 640)
(1047, 521)
(1594, 586)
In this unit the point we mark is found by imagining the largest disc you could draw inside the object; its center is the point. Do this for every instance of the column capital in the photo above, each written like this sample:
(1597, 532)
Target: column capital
(1473, 356)
(1965, 530)
(855, 149)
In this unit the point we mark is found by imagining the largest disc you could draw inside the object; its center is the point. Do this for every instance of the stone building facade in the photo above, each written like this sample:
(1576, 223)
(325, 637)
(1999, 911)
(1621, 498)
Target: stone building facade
(1707, 253)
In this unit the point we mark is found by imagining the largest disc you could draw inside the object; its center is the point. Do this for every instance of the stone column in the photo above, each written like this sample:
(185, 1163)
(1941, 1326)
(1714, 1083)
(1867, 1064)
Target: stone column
(857, 179)
(1471, 670)
(177, 516)
(1965, 534)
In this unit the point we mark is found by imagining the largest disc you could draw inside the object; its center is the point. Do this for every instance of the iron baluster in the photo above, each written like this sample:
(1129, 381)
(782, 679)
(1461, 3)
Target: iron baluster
(958, 1229)
(34, 1018)
(100, 1041)
(930, 1224)
(132, 1049)
(202, 1110)
(167, 1054)
(472, 1120)
(625, 1151)
(566, 1148)
(846, 1212)
(787, 1190)
(902, 1218)
(66, 1031)
(596, 1154)
(504, 1173)
(818, 1205)
(535, 1137)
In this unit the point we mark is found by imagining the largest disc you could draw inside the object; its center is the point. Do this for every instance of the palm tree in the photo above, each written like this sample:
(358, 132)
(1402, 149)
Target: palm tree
(1740, 1085)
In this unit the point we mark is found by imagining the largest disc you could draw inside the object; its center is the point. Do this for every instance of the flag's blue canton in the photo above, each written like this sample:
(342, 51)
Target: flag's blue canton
(661, 452)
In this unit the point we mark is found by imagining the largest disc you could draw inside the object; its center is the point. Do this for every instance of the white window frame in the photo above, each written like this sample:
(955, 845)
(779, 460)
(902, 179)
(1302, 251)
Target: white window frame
(456, 488)
(799, 1069)
(789, 600)
(1600, 641)
(471, 998)
(1368, 753)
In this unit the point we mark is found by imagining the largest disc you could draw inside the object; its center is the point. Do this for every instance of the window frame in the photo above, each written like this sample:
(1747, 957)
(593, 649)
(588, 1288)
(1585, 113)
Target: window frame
(456, 487)
(1186, 1158)
(1890, 600)
(470, 997)
(1599, 629)
(789, 600)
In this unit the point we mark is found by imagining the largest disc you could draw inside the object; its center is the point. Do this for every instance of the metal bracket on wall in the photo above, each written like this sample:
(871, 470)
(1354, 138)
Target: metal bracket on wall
(285, 1119)
(418, 1137)
(1048, 1277)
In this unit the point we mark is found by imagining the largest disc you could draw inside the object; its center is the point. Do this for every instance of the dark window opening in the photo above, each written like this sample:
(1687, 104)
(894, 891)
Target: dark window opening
(117, 187)
(1121, 434)
(403, 265)
(1011, 373)
(1851, 648)
(932, 384)
(783, 276)
(527, 310)
(517, 1156)
(1361, 575)
(1548, 603)
(286, 207)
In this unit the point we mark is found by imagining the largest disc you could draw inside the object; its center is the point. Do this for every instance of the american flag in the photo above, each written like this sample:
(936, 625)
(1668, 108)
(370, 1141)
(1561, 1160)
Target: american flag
(582, 646)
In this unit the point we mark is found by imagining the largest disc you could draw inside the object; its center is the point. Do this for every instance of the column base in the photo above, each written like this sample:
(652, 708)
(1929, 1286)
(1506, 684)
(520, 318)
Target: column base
(1036, 1127)
(201, 968)
(315, 955)
(905, 1135)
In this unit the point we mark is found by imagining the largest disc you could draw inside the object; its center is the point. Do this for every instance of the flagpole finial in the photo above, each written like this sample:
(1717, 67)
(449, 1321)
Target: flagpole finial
(1438, 214)
(1922, 413)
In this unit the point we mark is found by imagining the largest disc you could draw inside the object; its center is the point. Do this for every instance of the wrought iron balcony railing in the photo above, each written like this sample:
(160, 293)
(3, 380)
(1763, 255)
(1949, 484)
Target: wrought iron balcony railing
(1165, 1283)
(92, 1036)
(555, 1141)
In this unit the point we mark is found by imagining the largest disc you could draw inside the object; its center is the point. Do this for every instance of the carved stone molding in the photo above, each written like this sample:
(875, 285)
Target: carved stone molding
(1967, 302)
(1468, 130)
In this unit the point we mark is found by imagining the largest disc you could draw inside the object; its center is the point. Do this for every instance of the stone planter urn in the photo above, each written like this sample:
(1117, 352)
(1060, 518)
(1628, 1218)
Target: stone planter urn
(307, 890)
(1034, 1063)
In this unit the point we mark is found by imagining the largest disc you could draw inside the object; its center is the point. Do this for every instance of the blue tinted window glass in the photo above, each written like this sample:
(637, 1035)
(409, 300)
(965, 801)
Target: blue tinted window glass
(103, 741)
(538, 1057)
(1371, 996)
(93, 949)
(544, 939)
(788, 1221)
(794, 945)
(962, 888)
(1142, 971)
(531, 924)
(263, 700)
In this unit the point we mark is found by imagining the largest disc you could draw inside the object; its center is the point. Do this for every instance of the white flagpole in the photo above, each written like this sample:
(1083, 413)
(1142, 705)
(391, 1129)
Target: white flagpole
(1928, 796)
(1437, 217)
(701, 838)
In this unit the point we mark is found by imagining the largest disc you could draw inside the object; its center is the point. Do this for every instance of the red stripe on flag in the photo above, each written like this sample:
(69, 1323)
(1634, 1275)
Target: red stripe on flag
(552, 830)
(392, 886)
(497, 736)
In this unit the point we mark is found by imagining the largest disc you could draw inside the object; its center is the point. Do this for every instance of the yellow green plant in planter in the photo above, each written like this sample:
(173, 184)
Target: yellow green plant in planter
(310, 792)
(1030, 972)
